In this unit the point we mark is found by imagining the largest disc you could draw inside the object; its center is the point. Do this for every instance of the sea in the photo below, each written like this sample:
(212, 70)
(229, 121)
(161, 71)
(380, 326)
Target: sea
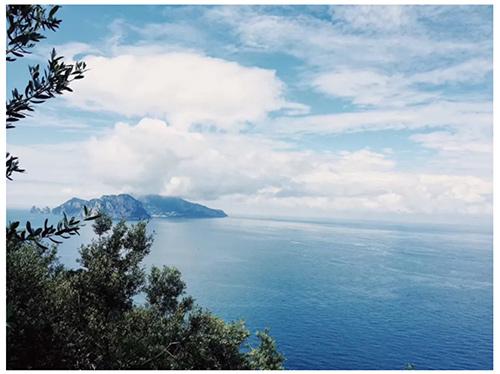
(336, 294)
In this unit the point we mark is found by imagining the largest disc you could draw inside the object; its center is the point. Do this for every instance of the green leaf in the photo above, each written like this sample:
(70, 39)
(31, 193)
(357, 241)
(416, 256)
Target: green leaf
(41, 245)
(53, 11)
(28, 227)
(55, 241)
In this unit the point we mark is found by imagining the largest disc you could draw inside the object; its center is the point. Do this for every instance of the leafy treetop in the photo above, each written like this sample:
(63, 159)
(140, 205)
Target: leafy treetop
(24, 24)
(86, 318)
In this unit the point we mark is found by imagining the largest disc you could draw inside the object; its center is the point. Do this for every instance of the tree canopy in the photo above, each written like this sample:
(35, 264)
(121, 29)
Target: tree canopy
(89, 317)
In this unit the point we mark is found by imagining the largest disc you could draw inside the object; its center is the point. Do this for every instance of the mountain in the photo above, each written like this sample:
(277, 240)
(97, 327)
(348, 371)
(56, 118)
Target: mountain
(72, 207)
(163, 206)
(117, 206)
(127, 207)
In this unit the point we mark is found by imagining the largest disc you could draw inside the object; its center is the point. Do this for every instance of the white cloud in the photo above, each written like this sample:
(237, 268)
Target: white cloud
(371, 56)
(469, 71)
(368, 87)
(71, 51)
(464, 151)
(184, 88)
(454, 142)
(375, 17)
(324, 44)
(459, 133)
(54, 173)
(476, 116)
(153, 157)
(243, 173)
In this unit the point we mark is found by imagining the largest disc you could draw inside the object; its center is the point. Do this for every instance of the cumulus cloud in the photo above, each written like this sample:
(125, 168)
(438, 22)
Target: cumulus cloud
(460, 133)
(192, 140)
(185, 88)
(464, 151)
(246, 173)
(54, 173)
(152, 157)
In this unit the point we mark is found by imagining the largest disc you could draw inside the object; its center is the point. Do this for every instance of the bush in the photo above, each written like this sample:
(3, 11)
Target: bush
(86, 318)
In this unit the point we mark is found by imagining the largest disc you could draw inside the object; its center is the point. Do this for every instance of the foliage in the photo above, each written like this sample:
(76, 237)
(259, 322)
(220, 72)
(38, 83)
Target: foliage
(23, 25)
(266, 355)
(64, 229)
(87, 319)
(12, 165)
(102, 223)
(54, 80)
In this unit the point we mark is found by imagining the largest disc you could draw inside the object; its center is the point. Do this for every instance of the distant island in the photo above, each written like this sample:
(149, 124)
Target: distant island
(125, 206)
(37, 210)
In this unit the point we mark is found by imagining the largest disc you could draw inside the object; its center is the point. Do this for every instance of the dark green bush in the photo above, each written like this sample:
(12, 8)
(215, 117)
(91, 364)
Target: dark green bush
(86, 318)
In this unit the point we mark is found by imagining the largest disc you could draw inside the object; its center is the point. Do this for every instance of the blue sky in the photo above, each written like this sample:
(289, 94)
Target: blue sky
(328, 111)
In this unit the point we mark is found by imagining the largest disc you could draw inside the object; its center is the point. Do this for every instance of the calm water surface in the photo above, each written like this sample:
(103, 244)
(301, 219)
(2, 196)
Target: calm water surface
(338, 295)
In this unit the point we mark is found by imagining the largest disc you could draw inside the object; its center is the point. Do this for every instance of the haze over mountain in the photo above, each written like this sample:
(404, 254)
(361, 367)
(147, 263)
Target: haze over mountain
(167, 206)
(127, 207)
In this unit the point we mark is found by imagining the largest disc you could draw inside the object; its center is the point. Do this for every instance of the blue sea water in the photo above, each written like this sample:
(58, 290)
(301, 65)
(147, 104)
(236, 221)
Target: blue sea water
(338, 295)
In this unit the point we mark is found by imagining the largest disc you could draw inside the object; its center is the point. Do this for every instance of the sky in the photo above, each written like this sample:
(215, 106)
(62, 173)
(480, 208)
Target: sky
(373, 112)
